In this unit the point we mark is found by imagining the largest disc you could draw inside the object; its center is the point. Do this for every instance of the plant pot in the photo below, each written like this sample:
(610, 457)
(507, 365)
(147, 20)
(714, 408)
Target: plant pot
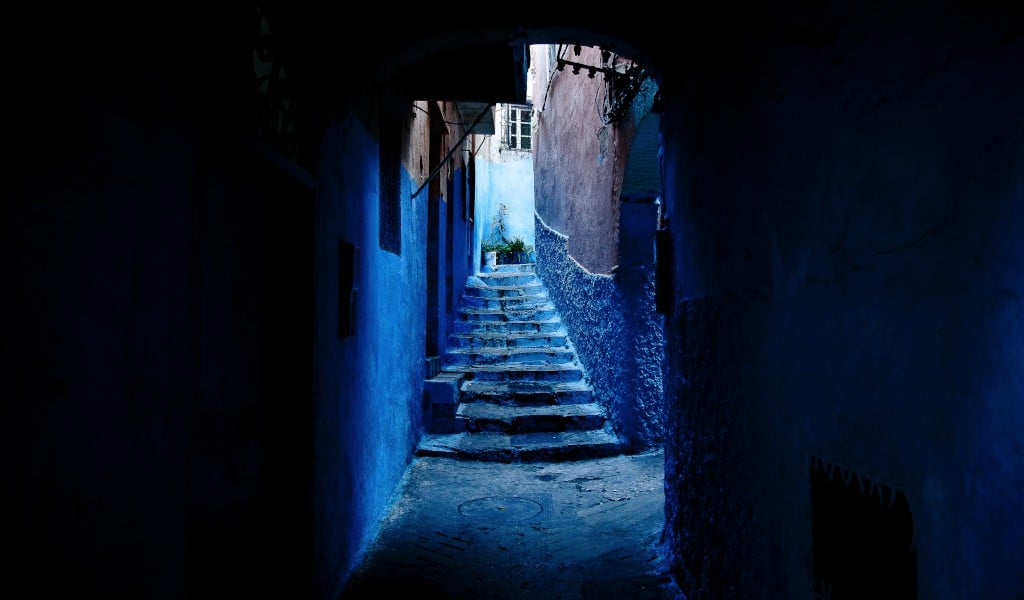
(510, 258)
(490, 261)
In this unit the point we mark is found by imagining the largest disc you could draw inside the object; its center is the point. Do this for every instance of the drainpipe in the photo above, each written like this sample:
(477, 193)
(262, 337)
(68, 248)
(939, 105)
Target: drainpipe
(451, 152)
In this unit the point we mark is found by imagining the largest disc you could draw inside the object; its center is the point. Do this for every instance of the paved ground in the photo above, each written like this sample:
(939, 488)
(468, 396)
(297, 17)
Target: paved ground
(551, 530)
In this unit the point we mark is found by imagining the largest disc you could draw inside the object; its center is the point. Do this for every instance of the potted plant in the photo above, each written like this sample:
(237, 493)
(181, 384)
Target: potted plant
(494, 250)
(515, 251)
(491, 250)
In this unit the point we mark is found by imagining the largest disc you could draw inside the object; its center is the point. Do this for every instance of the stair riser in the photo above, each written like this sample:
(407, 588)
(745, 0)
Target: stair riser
(505, 279)
(517, 314)
(514, 303)
(513, 327)
(537, 398)
(532, 424)
(559, 376)
(510, 292)
(550, 341)
(556, 454)
(539, 357)
(516, 268)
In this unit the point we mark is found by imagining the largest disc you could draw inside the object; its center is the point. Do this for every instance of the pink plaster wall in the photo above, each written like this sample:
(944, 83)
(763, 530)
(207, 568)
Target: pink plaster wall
(579, 162)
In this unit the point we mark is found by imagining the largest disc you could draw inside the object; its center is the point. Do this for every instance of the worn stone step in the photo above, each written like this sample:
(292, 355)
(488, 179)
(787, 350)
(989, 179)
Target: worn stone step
(508, 340)
(491, 356)
(508, 278)
(560, 373)
(523, 447)
(507, 303)
(505, 291)
(518, 267)
(490, 416)
(550, 326)
(542, 312)
(525, 393)
(522, 394)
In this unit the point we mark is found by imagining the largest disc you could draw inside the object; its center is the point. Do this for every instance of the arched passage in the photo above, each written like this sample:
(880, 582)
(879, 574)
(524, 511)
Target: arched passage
(426, 75)
(844, 195)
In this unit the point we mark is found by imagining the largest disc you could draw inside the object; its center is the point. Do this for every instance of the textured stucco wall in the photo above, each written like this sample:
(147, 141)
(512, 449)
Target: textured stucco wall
(616, 332)
(368, 387)
(846, 213)
(579, 165)
(580, 162)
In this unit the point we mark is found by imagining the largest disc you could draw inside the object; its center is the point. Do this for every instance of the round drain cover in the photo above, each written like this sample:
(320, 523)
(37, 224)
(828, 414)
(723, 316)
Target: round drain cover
(500, 508)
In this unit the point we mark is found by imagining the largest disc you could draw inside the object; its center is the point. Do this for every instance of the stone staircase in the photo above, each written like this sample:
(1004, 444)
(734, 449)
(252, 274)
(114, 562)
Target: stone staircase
(511, 387)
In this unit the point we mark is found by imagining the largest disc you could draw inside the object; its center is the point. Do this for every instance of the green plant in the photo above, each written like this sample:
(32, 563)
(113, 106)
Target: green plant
(501, 244)
(494, 246)
(498, 227)
(518, 244)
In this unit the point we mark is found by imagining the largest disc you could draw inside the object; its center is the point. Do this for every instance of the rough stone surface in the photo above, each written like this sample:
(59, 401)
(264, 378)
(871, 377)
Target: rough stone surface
(525, 396)
(577, 530)
(619, 336)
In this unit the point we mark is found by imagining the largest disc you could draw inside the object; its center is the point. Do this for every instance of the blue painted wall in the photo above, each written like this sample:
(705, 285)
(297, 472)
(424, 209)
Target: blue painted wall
(617, 334)
(460, 249)
(368, 387)
(509, 182)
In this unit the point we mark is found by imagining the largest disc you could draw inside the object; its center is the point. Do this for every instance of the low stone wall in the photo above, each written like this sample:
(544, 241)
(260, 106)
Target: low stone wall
(618, 336)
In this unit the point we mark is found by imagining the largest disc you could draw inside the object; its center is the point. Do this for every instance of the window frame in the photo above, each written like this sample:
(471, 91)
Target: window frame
(514, 120)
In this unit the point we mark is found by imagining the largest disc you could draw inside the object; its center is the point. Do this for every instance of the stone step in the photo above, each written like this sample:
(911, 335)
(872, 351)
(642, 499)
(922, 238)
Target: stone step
(550, 326)
(518, 267)
(505, 291)
(521, 393)
(489, 416)
(512, 372)
(542, 312)
(508, 340)
(524, 393)
(491, 356)
(507, 303)
(523, 447)
(508, 278)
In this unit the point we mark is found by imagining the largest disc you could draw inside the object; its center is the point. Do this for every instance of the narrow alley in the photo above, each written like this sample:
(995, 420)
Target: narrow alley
(772, 351)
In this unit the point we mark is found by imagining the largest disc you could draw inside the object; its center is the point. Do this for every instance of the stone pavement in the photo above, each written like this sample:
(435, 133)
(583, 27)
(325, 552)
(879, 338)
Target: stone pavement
(586, 529)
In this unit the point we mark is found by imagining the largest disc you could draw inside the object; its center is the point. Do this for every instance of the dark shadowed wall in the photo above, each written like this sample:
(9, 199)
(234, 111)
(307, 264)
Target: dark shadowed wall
(846, 206)
(156, 380)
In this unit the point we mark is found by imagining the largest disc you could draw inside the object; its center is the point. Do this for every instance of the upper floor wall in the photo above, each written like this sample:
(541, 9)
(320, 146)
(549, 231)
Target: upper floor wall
(504, 178)
(580, 161)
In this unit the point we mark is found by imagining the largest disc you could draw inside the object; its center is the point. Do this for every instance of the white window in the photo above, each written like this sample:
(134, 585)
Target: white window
(517, 126)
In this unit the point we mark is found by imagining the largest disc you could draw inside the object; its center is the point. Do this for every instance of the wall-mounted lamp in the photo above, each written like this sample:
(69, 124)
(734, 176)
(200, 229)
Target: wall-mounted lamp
(609, 73)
